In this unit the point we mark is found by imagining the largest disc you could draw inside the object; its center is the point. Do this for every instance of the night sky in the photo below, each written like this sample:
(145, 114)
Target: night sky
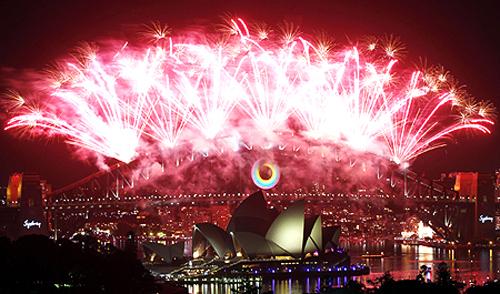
(464, 38)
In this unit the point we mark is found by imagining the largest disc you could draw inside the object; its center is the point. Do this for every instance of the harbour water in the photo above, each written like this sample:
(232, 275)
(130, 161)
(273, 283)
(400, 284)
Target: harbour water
(403, 261)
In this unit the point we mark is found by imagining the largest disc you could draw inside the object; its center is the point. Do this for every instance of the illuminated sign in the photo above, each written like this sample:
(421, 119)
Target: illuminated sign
(28, 224)
(485, 218)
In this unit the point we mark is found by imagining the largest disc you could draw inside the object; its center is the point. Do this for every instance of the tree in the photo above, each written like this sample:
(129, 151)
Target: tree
(443, 275)
(37, 264)
(491, 287)
(444, 279)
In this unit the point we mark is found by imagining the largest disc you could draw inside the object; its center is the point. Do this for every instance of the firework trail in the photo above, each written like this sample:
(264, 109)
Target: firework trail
(419, 125)
(248, 86)
(95, 110)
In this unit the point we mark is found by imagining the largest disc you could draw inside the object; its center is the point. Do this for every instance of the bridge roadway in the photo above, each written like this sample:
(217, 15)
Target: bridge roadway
(229, 199)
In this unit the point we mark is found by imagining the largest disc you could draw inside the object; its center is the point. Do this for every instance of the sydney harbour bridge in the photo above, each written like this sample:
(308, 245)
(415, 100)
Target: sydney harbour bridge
(453, 217)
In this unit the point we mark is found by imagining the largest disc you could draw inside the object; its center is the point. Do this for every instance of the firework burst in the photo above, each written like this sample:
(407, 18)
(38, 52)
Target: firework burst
(245, 91)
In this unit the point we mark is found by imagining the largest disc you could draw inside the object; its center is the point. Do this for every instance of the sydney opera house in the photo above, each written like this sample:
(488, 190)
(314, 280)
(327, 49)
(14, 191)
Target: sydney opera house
(255, 231)
(259, 240)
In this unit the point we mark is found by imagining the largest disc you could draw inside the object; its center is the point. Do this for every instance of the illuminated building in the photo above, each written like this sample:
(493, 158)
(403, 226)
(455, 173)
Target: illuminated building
(14, 189)
(255, 231)
(258, 241)
(24, 212)
(485, 208)
(466, 184)
(481, 189)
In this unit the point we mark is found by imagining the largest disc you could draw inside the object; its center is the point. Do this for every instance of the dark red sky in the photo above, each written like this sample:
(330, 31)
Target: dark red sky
(464, 38)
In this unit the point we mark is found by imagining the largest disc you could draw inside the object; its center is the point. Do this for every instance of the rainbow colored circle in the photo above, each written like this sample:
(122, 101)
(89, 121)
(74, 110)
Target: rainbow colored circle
(261, 182)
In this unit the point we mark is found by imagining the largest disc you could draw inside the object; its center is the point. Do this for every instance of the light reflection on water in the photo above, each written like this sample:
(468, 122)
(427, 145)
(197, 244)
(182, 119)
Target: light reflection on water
(403, 262)
(279, 286)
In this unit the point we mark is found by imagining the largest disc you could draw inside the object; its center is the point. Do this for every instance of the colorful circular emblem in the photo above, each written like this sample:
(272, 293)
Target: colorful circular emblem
(270, 179)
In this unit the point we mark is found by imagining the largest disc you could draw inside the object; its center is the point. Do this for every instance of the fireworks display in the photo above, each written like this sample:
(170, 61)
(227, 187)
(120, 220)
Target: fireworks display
(246, 87)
